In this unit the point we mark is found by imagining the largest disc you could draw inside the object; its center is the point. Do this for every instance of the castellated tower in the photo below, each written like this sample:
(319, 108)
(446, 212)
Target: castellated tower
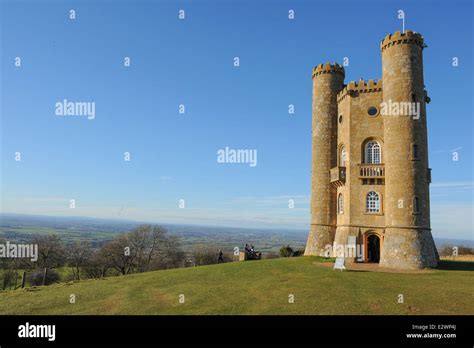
(408, 242)
(327, 82)
(370, 175)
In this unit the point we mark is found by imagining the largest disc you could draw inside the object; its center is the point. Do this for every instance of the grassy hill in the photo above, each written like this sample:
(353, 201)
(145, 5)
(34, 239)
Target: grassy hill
(257, 287)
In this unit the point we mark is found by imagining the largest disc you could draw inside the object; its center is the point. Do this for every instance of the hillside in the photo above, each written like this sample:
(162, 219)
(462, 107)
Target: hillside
(257, 287)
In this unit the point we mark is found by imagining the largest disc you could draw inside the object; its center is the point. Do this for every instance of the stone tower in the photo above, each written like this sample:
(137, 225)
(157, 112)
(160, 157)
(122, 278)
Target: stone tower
(408, 242)
(370, 175)
(327, 82)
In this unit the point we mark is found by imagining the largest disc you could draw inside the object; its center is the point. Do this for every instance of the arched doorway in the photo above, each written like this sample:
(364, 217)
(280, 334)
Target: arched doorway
(373, 248)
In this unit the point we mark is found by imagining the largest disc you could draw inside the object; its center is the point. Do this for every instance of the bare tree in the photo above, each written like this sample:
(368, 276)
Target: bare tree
(97, 265)
(79, 254)
(168, 255)
(142, 249)
(50, 253)
(117, 254)
(145, 243)
(208, 254)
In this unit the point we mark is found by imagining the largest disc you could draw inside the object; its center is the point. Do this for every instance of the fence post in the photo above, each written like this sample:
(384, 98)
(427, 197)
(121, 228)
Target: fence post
(23, 280)
(44, 275)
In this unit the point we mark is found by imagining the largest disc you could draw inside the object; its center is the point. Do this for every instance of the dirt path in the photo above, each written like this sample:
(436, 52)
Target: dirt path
(371, 267)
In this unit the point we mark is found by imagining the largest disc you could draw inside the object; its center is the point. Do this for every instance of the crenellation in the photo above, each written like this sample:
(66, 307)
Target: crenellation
(409, 37)
(359, 87)
(328, 68)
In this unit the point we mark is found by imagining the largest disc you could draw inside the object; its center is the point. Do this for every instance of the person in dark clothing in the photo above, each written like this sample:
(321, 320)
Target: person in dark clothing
(220, 258)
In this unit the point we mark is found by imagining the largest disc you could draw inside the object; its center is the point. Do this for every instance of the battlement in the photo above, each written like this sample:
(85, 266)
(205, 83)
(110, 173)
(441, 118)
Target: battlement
(361, 86)
(408, 37)
(328, 68)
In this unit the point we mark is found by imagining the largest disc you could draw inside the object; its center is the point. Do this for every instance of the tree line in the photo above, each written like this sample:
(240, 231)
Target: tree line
(145, 248)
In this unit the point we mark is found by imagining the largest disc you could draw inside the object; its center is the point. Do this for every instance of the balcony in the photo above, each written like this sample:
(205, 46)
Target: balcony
(338, 176)
(371, 171)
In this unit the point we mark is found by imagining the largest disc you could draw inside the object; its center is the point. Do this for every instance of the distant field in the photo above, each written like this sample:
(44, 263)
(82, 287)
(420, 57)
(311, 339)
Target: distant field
(24, 227)
(98, 231)
(70, 235)
(257, 287)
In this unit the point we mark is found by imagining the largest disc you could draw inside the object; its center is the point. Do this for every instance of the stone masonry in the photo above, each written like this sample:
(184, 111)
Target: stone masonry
(370, 175)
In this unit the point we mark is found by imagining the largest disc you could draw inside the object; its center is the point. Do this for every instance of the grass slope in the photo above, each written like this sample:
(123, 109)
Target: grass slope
(258, 287)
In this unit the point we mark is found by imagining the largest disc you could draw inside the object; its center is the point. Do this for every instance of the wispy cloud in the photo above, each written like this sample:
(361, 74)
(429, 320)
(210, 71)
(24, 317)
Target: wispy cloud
(46, 199)
(165, 178)
(447, 150)
(270, 201)
(468, 185)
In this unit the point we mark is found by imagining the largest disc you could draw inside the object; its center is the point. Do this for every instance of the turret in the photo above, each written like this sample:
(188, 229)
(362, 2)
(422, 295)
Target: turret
(408, 242)
(327, 82)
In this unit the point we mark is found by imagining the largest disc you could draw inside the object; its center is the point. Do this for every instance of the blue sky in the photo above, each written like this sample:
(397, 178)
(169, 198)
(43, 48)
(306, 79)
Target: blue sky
(190, 62)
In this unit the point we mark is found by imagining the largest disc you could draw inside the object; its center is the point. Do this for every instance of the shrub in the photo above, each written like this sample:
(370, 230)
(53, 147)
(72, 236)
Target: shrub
(9, 278)
(286, 251)
(36, 278)
(299, 252)
(204, 255)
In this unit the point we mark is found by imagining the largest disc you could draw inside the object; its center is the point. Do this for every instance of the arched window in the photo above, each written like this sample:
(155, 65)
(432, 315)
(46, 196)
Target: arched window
(343, 157)
(340, 204)
(416, 205)
(372, 203)
(373, 152)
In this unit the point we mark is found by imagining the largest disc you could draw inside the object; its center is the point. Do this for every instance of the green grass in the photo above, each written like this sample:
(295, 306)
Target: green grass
(256, 287)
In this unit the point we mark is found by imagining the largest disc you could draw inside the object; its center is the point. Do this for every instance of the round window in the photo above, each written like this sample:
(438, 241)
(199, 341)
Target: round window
(372, 111)
(340, 118)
